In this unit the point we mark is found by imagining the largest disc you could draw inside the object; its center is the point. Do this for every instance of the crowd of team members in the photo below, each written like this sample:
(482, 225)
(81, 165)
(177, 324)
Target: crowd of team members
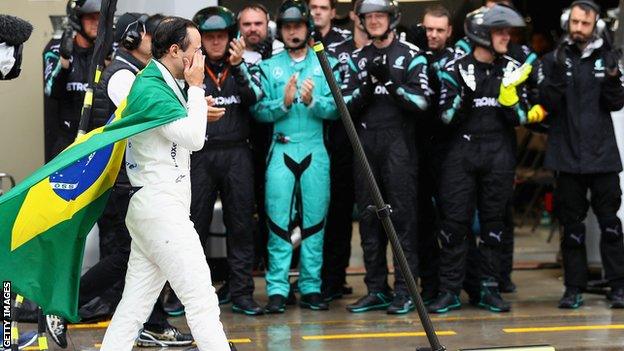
(437, 126)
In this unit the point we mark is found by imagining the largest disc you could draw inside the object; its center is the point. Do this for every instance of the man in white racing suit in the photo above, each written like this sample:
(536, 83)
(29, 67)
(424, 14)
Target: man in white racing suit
(165, 245)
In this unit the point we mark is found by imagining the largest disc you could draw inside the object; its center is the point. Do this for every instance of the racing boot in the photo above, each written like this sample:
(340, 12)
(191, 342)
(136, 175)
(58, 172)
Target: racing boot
(57, 328)
(169, 336)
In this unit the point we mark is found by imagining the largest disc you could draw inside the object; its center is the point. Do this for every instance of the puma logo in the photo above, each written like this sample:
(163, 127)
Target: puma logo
(467, 137)
(496, 236)
(577, 238)
(447, 237)
(615, 230)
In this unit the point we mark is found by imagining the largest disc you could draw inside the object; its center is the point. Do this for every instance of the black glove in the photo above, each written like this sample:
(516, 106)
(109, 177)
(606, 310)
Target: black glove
(367, 88)
(378, 68)
(612, 60)
(67, 43)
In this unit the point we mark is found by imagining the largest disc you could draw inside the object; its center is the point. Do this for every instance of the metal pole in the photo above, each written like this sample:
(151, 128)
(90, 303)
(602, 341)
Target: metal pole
(103, 43)
(383, 210)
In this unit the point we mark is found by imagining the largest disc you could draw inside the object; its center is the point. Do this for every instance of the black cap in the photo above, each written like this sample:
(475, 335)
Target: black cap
(125, 20)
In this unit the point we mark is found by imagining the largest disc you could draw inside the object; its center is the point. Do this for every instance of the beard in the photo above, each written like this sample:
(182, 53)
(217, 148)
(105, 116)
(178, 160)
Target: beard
(579, 38)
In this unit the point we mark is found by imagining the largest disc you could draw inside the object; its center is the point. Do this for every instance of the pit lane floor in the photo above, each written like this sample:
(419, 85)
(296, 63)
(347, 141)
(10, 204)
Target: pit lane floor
(534, 319)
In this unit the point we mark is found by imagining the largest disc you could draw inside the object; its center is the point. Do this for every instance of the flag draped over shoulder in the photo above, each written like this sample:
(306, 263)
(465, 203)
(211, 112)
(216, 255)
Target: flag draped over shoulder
(45, 219)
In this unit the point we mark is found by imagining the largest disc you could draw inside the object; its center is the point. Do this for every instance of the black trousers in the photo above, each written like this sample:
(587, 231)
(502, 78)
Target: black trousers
(260, 138)
(428, 216)
(338, 228)
(571, 205)
(227, 172)
(393, 159)
(477, 173)
(106, 278)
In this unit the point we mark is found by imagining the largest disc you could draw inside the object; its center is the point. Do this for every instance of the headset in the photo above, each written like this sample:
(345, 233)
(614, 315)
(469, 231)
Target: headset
(600, 24)
(132, 36)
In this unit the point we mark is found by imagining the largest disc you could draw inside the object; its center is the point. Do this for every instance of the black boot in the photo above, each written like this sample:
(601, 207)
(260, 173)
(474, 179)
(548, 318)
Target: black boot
(445, 302)
(246, 305)
(370, 302)
(276, 304)
(572, 298)
(491, 299)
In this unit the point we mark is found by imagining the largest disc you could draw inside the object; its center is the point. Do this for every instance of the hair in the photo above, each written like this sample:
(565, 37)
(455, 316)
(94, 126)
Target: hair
(152, 23)
(438, 11)
(332, 3)
(506, 2)
(256, 6)
(171, 30)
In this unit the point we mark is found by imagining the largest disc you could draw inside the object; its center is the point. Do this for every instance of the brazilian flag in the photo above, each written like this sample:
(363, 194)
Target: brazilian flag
(45, 219)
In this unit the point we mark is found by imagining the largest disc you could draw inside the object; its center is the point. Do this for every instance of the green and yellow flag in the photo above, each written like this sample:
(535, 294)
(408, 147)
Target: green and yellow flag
(44, 220)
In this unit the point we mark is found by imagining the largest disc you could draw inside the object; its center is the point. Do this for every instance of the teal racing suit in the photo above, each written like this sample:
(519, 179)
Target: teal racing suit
(297, 176)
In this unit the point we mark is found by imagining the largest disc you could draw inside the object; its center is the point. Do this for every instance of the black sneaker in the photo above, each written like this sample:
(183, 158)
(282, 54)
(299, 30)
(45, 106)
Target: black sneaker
(170, 336)
(246, 305)
(276, 304)
(428, 295)
(57, 328)
(370, 302)
(172, 305)
(223, 293)
(401, 304)
(445, 302)
(506, 286)
(572, 299)
(96, 310)
(491, 299)
(332, 293)
(314, 302)
(616, 296)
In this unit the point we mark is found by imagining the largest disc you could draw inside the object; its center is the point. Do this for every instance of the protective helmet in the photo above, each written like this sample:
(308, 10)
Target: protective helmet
(294, 11)
(480, 21)
(216, 18)
(391, 7)
(77, 8)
